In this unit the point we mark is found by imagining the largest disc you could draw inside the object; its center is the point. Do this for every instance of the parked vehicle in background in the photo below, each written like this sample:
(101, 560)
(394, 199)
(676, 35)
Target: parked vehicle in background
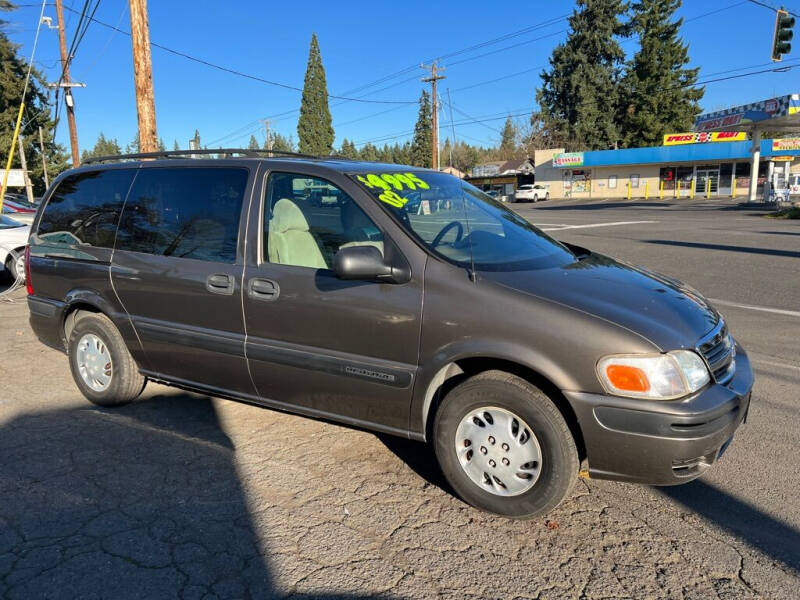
(233, 278)
(13, 239)
(22, 207)
(532, 192)
(24, 217)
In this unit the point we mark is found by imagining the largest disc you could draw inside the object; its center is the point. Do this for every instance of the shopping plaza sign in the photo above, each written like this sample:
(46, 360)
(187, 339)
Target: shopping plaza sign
(786, 144)
(568, 159)
(675, 139)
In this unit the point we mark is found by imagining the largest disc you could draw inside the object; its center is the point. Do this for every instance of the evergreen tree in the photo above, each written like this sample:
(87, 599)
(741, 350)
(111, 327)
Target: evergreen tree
(175, 145)
(422, 144)
(102, 147)
(281, 142)
(253, 143)
(348, 149)
(580, 90)
(13, 68)
(369, 153)
(162, 147)
(315, 127)
(658, 93)
(134, 146)
(508, 140)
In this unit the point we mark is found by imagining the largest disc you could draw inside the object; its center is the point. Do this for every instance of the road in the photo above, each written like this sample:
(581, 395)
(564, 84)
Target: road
(179, 495)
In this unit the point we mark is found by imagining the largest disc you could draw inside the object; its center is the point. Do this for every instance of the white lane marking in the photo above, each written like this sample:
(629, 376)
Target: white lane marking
(597, 225)
(772, 363)
(776, 311)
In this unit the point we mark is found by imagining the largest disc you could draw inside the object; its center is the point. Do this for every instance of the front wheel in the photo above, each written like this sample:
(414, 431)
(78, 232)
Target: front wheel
(15, 264)
(101, 365)
(504, 447)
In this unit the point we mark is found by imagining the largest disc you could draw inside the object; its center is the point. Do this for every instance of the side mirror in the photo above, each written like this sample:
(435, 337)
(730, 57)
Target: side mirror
(361, 262)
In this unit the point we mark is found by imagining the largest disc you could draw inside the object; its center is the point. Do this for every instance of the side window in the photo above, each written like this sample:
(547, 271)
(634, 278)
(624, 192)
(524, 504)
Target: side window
(84, 209)
(184, 212)
(307, 220)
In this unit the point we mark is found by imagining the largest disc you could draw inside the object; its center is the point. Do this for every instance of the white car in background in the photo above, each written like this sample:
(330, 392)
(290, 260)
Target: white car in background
(532, 192)
(13, 239)
(23, 217)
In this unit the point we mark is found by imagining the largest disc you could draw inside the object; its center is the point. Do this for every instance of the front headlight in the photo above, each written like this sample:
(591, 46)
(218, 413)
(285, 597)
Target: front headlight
(654, 376)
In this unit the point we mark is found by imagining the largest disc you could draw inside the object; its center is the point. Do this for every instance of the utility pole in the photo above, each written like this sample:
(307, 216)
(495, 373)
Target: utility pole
(435, 76)
(452, 127)
(68, 100)
(267, 137)
(44, 159)
(143, 76)
(24, 164)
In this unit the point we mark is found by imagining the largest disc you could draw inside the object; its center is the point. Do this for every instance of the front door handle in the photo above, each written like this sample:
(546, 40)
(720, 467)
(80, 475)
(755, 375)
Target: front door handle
(263, 289)
(220, 283)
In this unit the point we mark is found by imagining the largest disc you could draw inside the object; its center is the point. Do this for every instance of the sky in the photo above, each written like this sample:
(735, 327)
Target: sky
(362, 43)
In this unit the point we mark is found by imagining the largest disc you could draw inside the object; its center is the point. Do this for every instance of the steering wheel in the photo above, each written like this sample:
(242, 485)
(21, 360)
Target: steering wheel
(439, 236)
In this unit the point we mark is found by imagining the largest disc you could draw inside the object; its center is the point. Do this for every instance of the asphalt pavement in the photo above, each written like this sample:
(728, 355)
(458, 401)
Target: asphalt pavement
(183, 496)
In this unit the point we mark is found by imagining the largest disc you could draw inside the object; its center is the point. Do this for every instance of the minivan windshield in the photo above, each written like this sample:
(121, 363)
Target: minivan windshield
(460, 223)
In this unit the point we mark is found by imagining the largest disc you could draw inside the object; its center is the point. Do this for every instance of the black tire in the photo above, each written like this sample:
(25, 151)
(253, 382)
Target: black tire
(126, 381)
(559, 464)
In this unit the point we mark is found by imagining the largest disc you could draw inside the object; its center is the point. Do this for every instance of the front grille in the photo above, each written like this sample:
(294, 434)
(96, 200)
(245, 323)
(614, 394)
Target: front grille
(719, 351)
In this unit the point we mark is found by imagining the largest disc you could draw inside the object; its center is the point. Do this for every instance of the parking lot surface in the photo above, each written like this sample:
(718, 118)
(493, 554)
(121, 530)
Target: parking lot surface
(184, 496)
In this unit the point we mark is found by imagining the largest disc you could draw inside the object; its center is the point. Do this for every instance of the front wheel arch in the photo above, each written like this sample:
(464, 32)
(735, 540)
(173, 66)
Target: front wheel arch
(460, 370)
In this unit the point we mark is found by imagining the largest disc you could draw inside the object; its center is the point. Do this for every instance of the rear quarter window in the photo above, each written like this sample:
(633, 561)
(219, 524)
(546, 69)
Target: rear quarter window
(184, 212)
(84, 209)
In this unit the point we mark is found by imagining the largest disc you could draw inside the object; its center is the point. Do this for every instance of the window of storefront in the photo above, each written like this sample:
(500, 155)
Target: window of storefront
(634, 180)
(612, 182)
(725, 173)
(667, 176)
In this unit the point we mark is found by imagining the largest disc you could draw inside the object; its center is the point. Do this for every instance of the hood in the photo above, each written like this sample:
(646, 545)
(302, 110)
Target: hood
(667, 312)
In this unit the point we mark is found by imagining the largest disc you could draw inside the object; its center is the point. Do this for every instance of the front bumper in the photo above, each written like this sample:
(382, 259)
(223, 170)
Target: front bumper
(662, 442)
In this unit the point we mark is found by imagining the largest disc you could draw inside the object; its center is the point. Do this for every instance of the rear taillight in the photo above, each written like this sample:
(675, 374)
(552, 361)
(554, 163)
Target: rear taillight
(28, 282)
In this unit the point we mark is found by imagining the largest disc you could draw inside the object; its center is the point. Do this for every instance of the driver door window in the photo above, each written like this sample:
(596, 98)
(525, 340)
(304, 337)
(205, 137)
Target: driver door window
(308, 220)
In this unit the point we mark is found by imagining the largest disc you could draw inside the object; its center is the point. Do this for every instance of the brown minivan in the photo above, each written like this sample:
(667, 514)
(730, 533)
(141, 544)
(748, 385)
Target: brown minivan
(391, 298)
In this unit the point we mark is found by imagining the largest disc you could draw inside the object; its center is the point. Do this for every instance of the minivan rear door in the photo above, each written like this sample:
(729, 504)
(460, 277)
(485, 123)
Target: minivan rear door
(177, 270)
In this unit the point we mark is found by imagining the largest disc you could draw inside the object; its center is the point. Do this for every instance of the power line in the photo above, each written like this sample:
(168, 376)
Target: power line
(243, 74)
(772, 8)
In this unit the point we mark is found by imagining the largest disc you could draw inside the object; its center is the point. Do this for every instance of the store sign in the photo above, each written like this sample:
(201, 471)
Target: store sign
(782, 158)
(16, 178)
(675, 139)
(786, 144)
(568, 159)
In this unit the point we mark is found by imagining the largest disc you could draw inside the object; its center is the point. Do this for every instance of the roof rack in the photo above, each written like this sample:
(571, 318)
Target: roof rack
(220, 152)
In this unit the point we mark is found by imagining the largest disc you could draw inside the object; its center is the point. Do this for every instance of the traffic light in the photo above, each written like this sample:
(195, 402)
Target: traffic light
(784, 23)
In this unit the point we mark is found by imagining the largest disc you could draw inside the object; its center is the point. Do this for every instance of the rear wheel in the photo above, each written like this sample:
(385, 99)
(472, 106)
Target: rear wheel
(504, 446)
(101, 365)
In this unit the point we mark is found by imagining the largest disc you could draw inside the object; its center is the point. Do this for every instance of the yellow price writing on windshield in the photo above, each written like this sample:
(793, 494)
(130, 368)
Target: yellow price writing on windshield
(393, 181)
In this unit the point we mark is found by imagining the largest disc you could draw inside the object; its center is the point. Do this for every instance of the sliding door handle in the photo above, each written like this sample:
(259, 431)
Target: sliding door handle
(263, 289)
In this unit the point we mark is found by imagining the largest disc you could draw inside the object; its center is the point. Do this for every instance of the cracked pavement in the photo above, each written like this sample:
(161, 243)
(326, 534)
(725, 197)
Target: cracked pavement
(183, 496)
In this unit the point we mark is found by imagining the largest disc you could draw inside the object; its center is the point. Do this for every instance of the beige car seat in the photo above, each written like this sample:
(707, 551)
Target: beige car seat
(290, 241)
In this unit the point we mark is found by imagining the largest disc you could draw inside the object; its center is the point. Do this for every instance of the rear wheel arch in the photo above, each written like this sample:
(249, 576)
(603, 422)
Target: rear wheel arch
(460, 370)
(73, 313)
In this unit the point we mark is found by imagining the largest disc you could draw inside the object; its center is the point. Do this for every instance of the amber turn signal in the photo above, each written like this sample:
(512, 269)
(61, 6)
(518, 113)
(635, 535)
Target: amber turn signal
(625, 377)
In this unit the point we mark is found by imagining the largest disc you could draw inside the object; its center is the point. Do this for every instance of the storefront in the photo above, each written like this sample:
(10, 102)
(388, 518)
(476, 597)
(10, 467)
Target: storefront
(687, 169)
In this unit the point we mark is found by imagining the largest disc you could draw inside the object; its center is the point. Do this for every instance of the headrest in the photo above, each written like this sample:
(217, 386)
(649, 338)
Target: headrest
(287, 216)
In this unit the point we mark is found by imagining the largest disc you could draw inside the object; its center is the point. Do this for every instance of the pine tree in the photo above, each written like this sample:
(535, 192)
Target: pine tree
(175, 145)
(315, 127)
(102, 147)
(658, 91)
(348, 149)
(369, 153)
(253, 143)
(13, 68)
(281, 143)
(508, 140)
(422, 144)
(134, 146)
(580, 90)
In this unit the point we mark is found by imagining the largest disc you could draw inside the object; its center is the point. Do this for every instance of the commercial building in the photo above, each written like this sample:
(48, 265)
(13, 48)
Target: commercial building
(502, 177)
(701, 167)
